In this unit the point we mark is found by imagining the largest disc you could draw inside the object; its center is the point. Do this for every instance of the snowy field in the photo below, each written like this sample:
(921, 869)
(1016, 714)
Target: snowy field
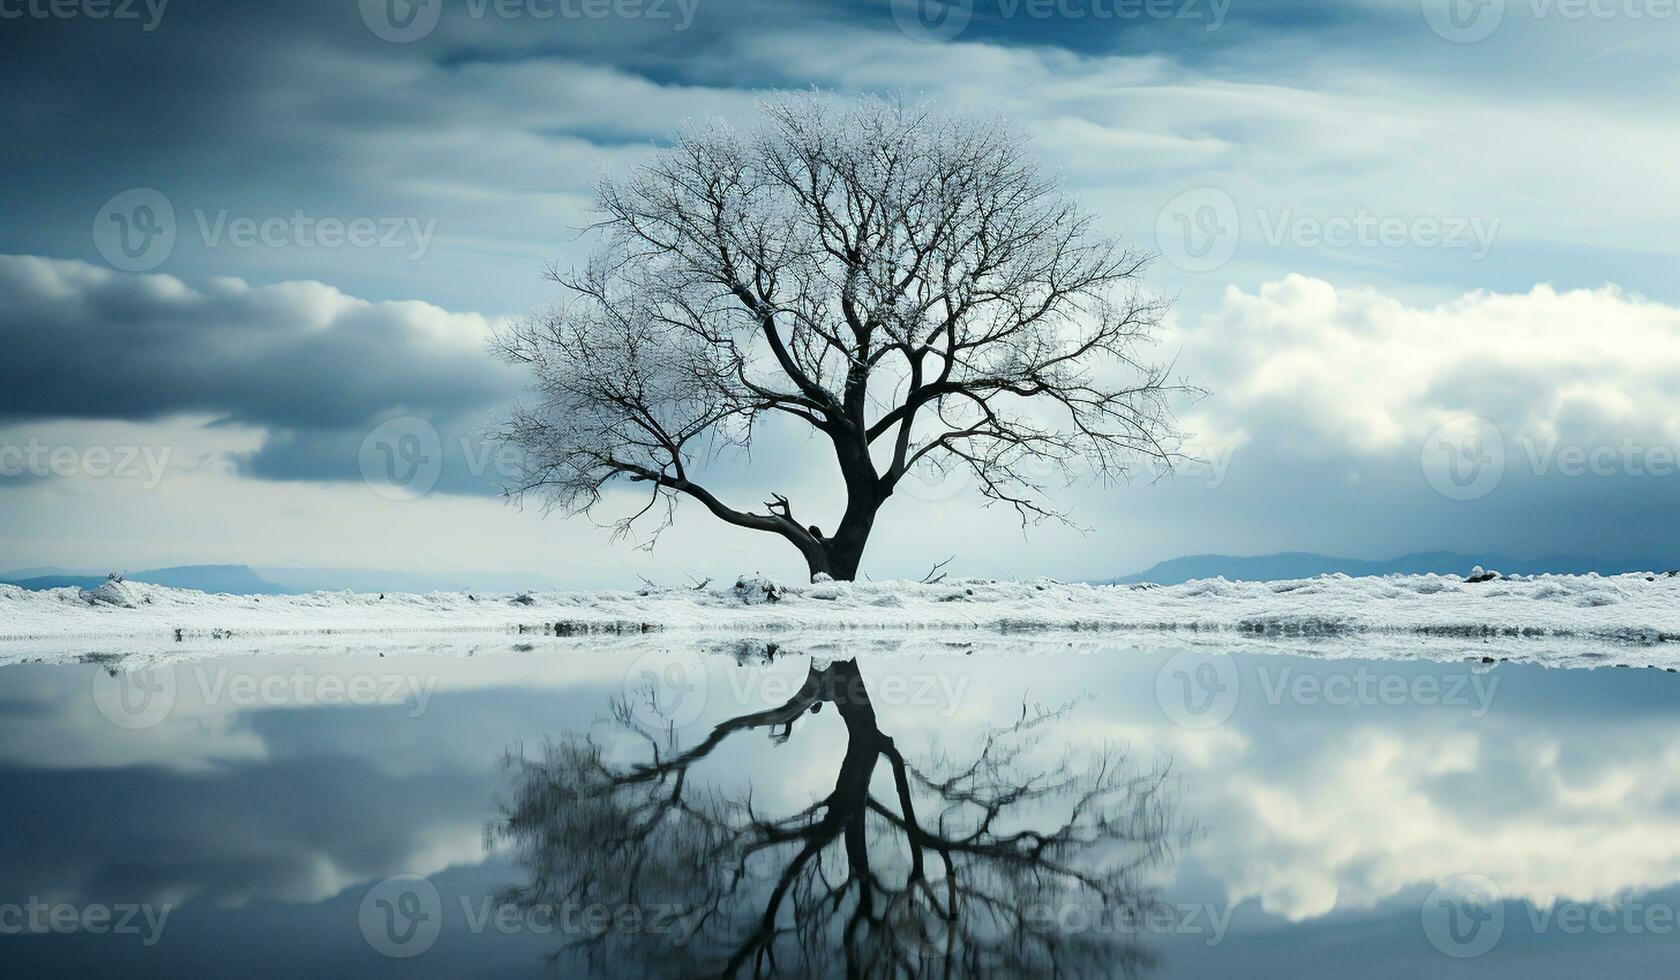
(1565, 620)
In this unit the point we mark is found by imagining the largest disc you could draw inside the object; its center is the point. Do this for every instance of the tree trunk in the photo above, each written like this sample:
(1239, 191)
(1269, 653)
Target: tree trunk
(840, 554)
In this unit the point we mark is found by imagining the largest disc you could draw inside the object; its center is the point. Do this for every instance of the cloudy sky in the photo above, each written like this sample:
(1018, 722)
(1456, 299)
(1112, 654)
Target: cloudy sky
(1422, 255)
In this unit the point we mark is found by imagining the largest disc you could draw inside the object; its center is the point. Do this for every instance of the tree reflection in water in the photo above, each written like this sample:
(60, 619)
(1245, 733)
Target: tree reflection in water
(956, 867)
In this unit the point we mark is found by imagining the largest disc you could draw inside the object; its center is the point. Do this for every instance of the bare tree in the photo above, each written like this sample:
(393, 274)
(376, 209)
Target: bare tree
(964, 867)
(908, 283)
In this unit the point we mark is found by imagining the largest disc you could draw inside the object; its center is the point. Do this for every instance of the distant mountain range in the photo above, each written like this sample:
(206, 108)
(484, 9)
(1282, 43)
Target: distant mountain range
(238, 579)
(1302, 564)
(245, 580)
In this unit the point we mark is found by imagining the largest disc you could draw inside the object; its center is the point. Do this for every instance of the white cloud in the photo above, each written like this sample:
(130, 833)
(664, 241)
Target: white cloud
(1322, 372)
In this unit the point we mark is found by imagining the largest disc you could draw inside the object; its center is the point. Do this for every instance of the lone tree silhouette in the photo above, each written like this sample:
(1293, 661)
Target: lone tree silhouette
(906, 282)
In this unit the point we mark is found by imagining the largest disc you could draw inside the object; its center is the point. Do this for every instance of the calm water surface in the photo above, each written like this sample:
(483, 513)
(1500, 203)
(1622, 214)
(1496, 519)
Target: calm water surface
(644, 811)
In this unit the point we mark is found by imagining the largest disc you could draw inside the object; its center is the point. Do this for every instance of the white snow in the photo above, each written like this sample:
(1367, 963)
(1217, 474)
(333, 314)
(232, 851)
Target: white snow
(1564, 619)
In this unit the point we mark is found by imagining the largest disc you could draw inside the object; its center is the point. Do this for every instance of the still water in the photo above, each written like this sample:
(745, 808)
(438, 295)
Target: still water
(643, 810)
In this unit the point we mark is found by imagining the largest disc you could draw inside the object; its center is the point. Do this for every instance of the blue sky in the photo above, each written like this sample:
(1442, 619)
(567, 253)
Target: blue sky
(1401, 251)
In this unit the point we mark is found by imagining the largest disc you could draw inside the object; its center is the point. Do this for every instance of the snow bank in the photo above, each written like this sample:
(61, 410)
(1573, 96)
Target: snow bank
(1579, 619)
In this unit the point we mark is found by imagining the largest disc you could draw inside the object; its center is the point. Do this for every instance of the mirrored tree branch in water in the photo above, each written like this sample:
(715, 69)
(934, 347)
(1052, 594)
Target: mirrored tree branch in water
(950, 866)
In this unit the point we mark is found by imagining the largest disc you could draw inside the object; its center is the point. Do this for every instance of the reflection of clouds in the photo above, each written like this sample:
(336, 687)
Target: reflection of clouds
(1566, 789)
(294, 831)
(1364, 815)
(48, 714)
(1197, 749)
(1347, 830)
(225, 803)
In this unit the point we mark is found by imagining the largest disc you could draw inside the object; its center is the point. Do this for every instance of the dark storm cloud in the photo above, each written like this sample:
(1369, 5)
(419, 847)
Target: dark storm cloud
(340, 794)
(465, 464)
(83, 342)
(317, 370)
(228, 836)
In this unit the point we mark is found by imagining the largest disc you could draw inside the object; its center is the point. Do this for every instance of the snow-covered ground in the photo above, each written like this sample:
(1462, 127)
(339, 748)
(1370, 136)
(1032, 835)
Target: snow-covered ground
(1562, 619)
